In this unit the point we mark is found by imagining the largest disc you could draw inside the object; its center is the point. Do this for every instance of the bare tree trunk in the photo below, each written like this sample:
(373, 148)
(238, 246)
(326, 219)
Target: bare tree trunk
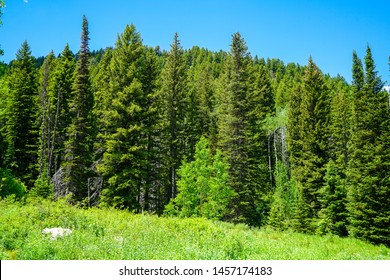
(48, 140)
(275, 147)
(270, 158)
(41, 159)
(54, 134)
(44, 117)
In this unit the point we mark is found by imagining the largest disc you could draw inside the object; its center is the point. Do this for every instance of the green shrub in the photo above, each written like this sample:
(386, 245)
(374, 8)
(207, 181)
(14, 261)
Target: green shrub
(42, 188)
(9, 185)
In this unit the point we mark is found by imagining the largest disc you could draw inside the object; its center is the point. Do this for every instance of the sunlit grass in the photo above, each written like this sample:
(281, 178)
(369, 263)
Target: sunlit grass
(115, 234)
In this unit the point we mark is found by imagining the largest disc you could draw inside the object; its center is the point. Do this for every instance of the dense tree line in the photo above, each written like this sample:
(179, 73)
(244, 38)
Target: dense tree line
(223, 135)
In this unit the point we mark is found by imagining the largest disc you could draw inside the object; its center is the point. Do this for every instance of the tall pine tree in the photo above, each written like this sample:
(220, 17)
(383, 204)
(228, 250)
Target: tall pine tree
(78, 148)
(173, 91)
(21, 131)
(242, 105)
(369, 165)
(125, 160)
(309, 142)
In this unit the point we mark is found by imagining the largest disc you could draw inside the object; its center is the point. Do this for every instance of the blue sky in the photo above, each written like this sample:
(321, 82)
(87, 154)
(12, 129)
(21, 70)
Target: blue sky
(328, 30)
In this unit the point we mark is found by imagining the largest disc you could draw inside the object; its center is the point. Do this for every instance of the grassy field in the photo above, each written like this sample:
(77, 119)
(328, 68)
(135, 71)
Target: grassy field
(113, 234)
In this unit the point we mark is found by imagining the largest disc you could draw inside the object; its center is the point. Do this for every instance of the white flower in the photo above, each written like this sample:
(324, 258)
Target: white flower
(57, 232)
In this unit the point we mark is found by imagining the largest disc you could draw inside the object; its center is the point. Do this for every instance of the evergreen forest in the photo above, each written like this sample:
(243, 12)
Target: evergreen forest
(197, 133)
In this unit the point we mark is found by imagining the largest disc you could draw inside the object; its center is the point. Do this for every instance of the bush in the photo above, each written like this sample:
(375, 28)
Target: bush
(9, 185)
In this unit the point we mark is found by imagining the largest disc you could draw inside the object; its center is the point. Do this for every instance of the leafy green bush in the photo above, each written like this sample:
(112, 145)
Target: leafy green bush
(10, 185)
(203, 186)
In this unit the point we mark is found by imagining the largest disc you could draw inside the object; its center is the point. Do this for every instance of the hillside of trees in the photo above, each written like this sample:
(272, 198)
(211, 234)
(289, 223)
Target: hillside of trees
(199, 133)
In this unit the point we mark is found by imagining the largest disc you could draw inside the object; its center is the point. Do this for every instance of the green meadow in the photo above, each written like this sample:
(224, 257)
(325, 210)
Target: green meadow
(118, 235)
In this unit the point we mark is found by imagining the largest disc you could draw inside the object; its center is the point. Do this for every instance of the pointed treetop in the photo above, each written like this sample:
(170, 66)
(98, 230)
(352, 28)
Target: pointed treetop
(175, 46)
(373, 81)
(129, 36)
(84, 48)
(357, 72)
(312, 72)
(24, 51)
(67, 53)
(238, 45)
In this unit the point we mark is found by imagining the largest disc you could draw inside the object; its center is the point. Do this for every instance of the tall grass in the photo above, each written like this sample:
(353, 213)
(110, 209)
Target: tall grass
(115, 234)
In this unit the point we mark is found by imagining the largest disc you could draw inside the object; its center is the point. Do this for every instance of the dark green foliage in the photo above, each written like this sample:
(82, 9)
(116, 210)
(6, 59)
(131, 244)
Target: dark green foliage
(20, 128)
(9, 185)
(369, 165)
(294, 139)
(333, 196)
(173, 94)
(45, 98)
(155, 168)
(286, 145)
(287, 84)
(78, 148)
(232, 127)
(63, 80)
(125, 160)
(56, 79)
(203, 189)
(340, 126)
(309, 140)
(242, 106)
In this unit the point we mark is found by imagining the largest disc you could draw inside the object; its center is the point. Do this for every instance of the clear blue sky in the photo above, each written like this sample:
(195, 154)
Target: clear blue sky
(329, 30)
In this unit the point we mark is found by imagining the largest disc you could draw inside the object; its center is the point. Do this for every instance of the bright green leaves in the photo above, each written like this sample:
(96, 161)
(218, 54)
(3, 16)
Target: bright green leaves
(203, 186)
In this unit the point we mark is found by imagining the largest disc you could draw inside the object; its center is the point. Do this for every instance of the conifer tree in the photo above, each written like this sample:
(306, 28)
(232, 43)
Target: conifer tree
(45, 124)
(309, 144)
(155, 168)
(173, 90)
(231, 117)
(333, 214)
(21, 132)
(62, 94)
(124, 156)
(55, 95)
(103, 100)
(369, 165)
(78, 148)
(242, 106)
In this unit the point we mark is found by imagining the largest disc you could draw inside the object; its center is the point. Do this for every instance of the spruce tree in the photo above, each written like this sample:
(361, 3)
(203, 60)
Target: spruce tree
(155, 169)
(21, 132)
(332, 196)
(242, 105)
(127, 137)
(369, 165)
(78, 148)
(173, 92)
(308, 163)
(333, 216)
(231, 121)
